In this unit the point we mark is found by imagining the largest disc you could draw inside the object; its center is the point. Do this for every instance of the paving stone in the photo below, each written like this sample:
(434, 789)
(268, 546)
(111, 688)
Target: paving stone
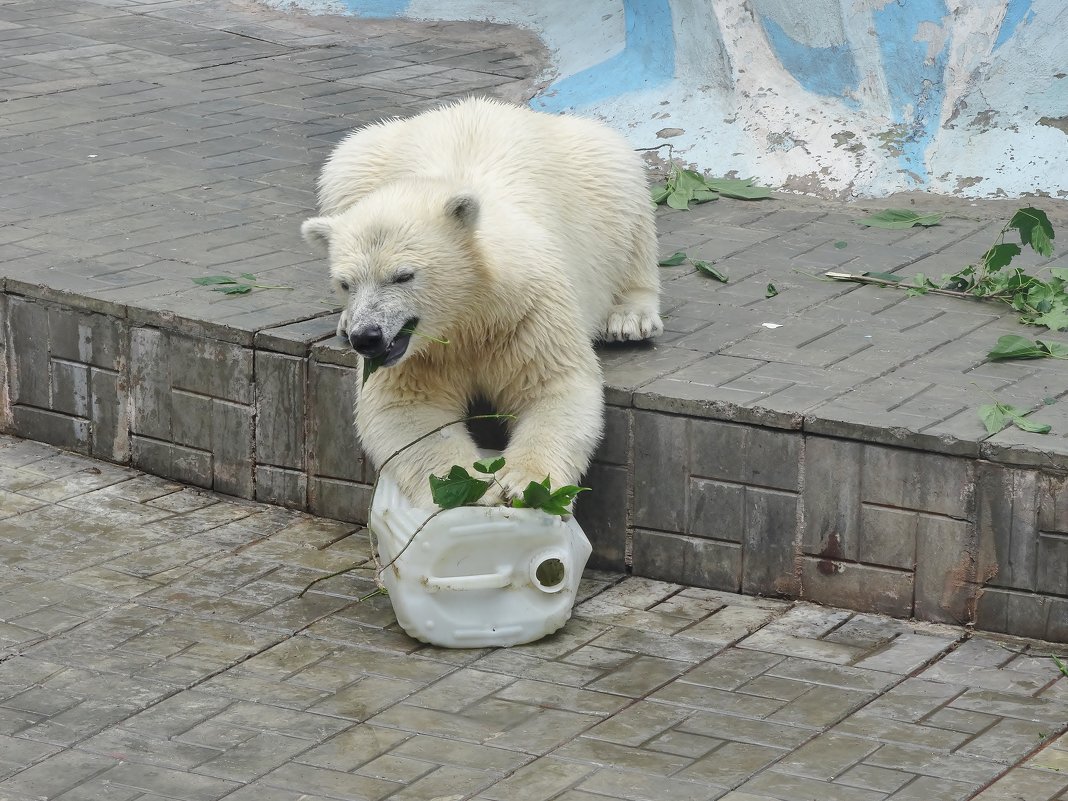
(543, 779)
(1024, 783)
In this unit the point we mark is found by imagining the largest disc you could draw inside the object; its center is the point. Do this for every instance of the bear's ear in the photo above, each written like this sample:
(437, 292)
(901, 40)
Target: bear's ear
(317, 232)
(464, 209)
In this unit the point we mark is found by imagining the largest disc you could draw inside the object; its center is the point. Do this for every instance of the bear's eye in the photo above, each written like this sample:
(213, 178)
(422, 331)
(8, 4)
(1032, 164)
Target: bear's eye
(344, 286)
(403, 278)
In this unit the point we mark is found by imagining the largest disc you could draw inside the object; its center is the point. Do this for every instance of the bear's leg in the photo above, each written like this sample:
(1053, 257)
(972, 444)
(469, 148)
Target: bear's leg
(387, 428)
(635, 313)
(555, 432)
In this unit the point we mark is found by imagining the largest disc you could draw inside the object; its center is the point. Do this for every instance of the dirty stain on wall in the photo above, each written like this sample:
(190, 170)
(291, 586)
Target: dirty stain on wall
(834, 97)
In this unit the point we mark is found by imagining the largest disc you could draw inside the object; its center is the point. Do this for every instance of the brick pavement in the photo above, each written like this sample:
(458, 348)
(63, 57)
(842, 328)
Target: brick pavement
(144, 143)
(152, 646)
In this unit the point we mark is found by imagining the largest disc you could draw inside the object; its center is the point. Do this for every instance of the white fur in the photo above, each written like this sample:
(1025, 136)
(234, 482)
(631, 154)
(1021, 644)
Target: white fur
(528, 237)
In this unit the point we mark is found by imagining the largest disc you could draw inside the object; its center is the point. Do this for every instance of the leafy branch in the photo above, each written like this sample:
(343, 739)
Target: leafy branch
(232, 286)
(460, 488)
(1037, 301)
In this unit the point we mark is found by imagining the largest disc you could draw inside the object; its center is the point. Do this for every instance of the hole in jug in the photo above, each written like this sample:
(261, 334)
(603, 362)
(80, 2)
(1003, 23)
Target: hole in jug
(550, 573)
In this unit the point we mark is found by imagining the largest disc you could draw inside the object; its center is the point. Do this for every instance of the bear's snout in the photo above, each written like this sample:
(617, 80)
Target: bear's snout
(368, 341)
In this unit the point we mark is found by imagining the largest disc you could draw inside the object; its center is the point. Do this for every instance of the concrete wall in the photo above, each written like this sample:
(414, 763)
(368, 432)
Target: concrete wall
(835, 97)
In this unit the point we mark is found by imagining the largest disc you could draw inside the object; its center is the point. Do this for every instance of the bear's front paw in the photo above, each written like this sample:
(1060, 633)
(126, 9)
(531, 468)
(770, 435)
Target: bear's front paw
(628, 324)
(343, 324)
(515, 482)
(494, 497)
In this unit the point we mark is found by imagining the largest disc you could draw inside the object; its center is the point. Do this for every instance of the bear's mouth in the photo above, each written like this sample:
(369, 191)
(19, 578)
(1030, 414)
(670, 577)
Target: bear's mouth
(399, 346)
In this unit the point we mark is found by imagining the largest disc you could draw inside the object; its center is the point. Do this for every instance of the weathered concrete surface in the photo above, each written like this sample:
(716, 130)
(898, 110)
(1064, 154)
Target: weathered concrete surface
(837, 457)
(862, 98)
(152, 646)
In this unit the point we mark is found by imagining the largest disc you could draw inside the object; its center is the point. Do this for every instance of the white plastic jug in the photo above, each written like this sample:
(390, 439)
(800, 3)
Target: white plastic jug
(477, 576)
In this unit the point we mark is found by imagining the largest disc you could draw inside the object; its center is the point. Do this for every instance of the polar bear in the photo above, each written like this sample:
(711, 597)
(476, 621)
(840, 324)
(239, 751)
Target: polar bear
(516, 238)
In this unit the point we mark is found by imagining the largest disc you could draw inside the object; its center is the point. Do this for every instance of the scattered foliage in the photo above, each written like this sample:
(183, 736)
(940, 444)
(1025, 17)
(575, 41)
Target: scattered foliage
(684, 187)
(899, 219)
(232, 286)
(771, 291)
(702, 266)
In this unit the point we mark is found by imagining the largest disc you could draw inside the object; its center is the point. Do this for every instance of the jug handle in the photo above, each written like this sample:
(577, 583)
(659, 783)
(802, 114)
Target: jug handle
(483, 581)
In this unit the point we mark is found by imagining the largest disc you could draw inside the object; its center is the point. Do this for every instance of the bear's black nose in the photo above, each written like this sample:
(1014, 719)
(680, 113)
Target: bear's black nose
(368, 341)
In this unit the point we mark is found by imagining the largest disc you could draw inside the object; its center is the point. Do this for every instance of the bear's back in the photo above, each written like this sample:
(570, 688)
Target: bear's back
(546, 163)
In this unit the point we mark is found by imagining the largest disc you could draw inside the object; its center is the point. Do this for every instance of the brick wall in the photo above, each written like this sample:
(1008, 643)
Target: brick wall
(757, 505)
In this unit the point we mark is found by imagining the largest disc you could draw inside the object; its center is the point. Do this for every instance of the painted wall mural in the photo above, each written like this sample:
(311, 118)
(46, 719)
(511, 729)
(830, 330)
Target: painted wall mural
(837, 97)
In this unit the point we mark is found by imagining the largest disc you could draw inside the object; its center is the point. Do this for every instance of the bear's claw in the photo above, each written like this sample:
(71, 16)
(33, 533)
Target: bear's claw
(343, 324)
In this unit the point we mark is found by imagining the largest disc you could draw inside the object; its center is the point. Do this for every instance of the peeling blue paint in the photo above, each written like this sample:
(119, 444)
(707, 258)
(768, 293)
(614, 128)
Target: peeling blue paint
(1015, 12)
(828, 71)
(646, 61)
(914, 81)
(377, 9)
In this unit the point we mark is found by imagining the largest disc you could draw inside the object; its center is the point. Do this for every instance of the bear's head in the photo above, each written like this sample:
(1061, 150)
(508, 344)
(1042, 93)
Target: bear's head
(402, 259)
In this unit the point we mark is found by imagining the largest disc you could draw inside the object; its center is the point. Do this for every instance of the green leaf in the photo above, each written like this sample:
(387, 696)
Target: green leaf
(567, 494)
(674, 260)
(1027, 425)
(490, 464)
(994, 417)
(1000, 255)
(659, 193)
(556, 509)
(708, 269)
(1035, 230)
(899, 219)
(1056, 319)
(884, 277)
(458, 488)
(1063, 668)
(740, 188)
(249, 277)
(1060, 273)
(237, 289)
(1011, 346)
(370, 366)
(1057, 350)
(704, 195)
(841, 243)
(536, 495)
(679, 199)
(214, 279)
(770, 291)
(689, 180)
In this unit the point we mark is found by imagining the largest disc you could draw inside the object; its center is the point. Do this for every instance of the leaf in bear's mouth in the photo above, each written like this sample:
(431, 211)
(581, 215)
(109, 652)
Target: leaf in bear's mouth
(370, 365)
